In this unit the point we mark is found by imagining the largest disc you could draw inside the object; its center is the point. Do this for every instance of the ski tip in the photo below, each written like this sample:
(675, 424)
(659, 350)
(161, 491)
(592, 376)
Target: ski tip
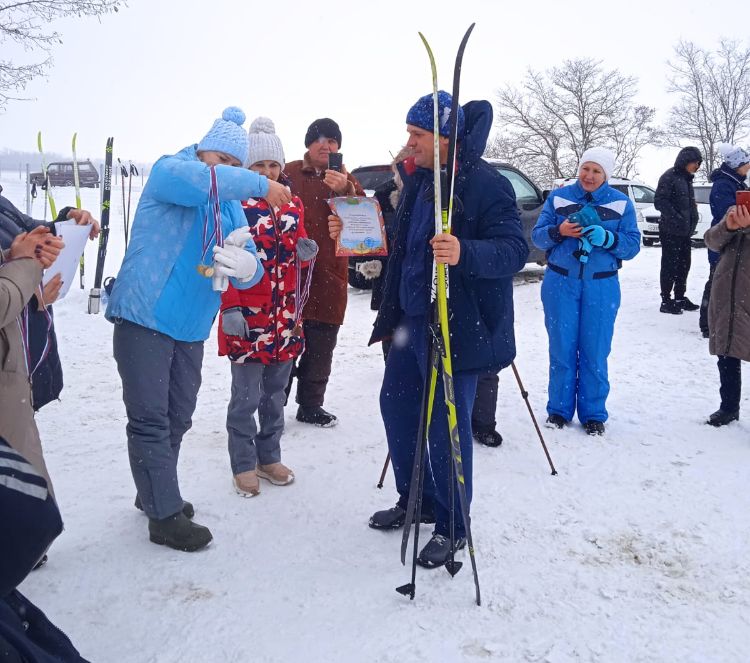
(407, 590)
(453, 567)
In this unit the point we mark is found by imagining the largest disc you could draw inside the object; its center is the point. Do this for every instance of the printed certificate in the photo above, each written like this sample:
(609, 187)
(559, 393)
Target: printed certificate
(363, 233)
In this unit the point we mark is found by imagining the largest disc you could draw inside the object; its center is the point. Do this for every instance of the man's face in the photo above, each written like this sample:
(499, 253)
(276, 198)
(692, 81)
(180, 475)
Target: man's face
(271, 169)
(692, 167)
(422, 145)
(591, 176)
(319, 151)
(212, 158)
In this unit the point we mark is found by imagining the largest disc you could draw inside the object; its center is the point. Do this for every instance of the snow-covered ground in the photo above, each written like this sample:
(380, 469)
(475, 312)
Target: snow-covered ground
(636, 551)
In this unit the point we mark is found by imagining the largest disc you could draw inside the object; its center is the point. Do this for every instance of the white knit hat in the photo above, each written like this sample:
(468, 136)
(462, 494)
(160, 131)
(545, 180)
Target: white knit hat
(733, 155)
(602, 156)
(265, 145)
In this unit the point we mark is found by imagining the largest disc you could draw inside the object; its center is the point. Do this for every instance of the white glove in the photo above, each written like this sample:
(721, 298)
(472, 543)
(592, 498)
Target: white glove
(370, 269)
(232, 261)
(239, 237)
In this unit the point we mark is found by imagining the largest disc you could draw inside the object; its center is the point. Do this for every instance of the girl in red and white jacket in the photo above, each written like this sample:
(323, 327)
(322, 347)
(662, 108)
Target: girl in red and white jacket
(260, 329)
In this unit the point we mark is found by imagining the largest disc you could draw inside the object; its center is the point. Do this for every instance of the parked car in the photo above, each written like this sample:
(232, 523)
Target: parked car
(529, 199)
(649, 224)
(60, 173)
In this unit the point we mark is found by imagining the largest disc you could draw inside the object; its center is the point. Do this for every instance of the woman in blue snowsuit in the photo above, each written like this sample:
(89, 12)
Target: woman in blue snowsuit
(587, 228)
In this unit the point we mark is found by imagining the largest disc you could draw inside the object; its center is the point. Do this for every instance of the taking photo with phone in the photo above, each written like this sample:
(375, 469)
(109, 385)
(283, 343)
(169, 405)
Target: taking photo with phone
(335, 161)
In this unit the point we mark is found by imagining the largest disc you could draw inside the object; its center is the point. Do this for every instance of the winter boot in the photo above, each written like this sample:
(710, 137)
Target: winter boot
(594, 427)
(314, 414)
(179, 532)
(187, 508)
(395, 517)
(685, 304)
(669, 305)
(438, 550)
(556, 421)
(489, 439)
(722, 418)
(246, 483)
(277, 473)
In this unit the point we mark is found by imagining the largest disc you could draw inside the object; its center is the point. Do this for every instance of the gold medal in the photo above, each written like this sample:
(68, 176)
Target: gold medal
(205, 270)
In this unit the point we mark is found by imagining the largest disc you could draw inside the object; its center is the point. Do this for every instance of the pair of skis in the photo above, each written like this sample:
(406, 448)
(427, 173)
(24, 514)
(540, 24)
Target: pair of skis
(95, 294)
(439, 352)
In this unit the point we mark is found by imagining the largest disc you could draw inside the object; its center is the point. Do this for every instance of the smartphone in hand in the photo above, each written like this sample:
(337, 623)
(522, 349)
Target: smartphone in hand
(743, 198)
(335, 161)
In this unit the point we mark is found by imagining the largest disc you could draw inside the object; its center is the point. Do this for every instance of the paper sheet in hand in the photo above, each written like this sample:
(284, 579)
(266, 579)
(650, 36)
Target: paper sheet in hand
(363, 232)
(75, 238)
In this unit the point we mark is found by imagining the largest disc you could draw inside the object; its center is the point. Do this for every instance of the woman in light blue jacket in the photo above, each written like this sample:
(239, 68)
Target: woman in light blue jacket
(163, 306)
(587, 228)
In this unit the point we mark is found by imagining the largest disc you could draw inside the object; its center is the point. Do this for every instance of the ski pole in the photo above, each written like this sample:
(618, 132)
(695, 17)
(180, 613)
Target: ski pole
(525, 396)
(385, 469)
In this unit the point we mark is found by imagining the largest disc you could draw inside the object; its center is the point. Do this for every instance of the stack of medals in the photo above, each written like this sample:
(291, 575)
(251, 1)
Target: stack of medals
(217, 233)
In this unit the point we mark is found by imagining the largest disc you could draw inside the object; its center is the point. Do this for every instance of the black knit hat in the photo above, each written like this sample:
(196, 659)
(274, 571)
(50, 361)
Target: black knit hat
(324, 127)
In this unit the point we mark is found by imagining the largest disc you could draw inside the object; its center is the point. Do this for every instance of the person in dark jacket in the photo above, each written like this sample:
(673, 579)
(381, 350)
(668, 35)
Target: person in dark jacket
(48, 376)
(29, 522)
(727, 180)
(675, 199)
(484, 249)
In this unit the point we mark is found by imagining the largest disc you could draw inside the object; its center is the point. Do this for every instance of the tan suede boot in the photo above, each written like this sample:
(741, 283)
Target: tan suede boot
(247, 484)
(277, 473)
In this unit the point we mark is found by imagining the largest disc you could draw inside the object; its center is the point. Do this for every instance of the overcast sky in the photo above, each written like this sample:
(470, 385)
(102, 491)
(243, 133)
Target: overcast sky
(156, 74)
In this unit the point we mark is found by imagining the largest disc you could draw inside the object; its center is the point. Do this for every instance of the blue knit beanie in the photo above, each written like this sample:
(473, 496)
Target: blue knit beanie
(227, 135)
(420, 114)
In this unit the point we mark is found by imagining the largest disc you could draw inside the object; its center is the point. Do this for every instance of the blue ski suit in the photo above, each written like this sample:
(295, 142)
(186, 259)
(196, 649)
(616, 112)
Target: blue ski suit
(581, 299)
(493, 248)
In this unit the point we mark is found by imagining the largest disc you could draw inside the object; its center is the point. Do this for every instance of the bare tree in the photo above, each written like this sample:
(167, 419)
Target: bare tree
(27, 23)
(713, 89)
(559, 114)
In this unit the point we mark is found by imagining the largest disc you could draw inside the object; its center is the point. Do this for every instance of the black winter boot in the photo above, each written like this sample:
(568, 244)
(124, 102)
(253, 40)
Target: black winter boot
(489, 439)
(556, 421)
(722, 418)
(394, 518)
(685, 304)
(187, 508)
(437, 551)
(670, 306)
(179, 532)
(314, 414)
(594, 427)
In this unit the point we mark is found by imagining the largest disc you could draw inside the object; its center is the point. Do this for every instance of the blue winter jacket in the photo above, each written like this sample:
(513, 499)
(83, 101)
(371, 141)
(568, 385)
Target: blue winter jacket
(485, 219)
(617, 214)
(726, 183)
(158, 286)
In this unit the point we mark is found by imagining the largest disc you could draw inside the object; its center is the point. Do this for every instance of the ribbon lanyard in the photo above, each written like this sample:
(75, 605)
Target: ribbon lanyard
(213, 208)
(23, 326)
(303, 294)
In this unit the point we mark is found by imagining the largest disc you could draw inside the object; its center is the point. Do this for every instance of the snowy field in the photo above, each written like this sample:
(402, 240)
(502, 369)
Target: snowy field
(636, 551)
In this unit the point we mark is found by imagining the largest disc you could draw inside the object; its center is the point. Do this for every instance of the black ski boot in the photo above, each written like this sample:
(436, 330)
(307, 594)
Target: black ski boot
(670, 306)
(395, 517)
(594, 427)
(179, 532)
(722, 418)
(489, 439)
(438, 550)
(314, 414)
(685, 304)
(556, 421)
(187, 507)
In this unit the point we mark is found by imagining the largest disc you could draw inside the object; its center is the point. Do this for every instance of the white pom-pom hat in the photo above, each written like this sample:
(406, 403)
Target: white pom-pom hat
(227, 135)
(265, 145)
(733, 155)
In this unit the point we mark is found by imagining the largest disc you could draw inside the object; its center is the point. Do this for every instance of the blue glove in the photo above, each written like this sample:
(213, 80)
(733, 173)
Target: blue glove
(584, 250)
(598, 236)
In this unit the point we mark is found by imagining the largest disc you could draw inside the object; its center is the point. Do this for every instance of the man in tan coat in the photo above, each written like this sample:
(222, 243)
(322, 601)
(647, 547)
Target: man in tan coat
(323, 314)
(20, 274)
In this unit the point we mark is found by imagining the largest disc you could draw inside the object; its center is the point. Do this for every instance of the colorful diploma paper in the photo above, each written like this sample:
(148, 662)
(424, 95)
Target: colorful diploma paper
(363, 233)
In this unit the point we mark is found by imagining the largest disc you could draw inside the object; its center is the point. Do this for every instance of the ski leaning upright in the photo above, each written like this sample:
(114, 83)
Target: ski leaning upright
(95, 294)
(439, 352)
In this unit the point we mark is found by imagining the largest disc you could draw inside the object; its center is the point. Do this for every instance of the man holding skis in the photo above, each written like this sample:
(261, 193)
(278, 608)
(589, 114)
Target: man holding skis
(484, 250)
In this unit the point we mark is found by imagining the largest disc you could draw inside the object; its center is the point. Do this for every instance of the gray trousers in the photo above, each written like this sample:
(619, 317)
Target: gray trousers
(160, 382)
(256, 387)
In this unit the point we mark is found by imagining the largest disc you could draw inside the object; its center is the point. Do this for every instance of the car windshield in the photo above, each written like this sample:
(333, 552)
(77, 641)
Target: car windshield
(525, 192)
(643, 194)
(373, 178)
(702, 194)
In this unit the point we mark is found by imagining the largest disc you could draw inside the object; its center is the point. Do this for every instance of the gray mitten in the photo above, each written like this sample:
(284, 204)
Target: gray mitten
(307, 248)
(233, 322)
